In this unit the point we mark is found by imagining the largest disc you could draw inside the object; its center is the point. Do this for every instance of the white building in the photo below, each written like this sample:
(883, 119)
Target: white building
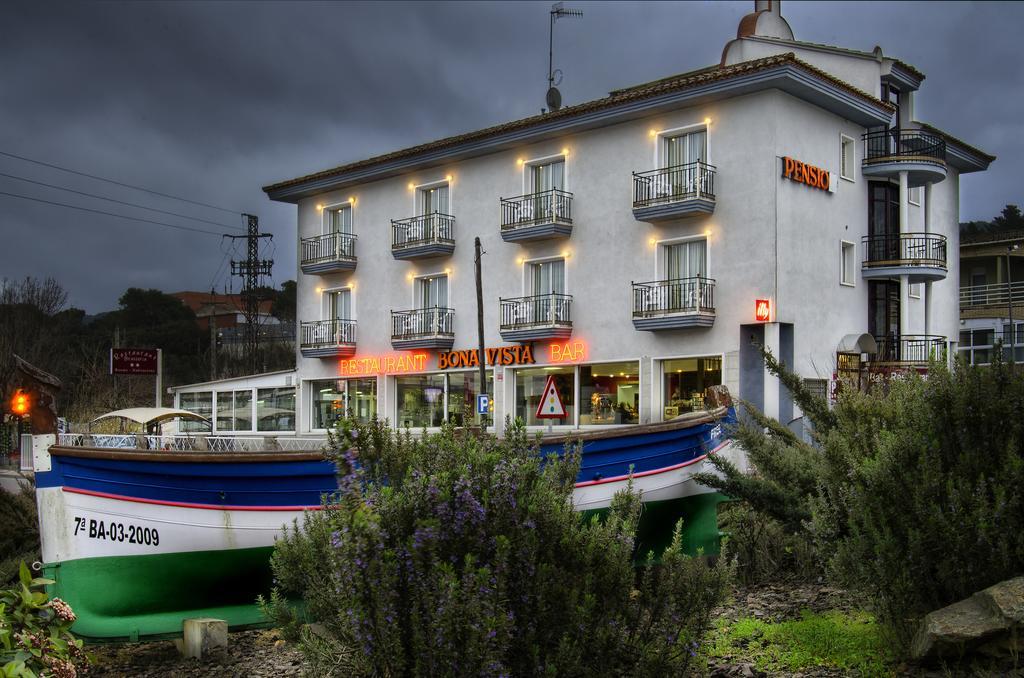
(787, 195)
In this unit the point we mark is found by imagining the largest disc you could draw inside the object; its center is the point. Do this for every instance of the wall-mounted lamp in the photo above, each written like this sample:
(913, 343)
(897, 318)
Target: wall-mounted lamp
(707, 121)
(411, 185)
(447, 271)
(319, 290)
(319, 208)
(519, 161)
(654, 132)
(652, 242)
(352, 200)
(448, 178)
(565, 152)
(566, 254)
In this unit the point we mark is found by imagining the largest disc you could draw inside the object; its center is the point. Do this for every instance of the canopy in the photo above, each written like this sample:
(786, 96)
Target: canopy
(857, 343)
(149, 415)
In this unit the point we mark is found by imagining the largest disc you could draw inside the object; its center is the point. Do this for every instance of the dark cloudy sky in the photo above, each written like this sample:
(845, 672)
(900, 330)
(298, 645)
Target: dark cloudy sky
(210, 101)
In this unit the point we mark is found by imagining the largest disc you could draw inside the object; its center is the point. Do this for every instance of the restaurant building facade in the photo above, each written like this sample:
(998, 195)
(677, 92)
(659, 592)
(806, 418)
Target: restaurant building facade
(637, 246)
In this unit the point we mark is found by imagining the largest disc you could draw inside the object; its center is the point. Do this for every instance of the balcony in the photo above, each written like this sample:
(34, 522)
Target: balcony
(328, 253)
(921, 256)
(674, 304)
(674, 192)
(423, 328)
(544, 316)
(328, 339)
(921, 154)
(538, 216)
(909, 351)
(423, 237)
(985, 301)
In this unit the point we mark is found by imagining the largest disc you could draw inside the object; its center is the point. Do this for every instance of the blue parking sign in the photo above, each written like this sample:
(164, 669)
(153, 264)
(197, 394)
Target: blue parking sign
(483, 403)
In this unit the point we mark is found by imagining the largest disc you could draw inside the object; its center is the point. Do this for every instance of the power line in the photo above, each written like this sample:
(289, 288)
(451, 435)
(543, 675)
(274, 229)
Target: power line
(117, 183)
(111, 214)
(119, 202)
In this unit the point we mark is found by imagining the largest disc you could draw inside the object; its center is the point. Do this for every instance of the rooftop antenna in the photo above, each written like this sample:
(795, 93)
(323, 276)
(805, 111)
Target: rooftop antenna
(554, 97)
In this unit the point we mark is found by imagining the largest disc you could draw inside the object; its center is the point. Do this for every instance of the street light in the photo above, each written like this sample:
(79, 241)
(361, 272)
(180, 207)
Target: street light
(1009, 298)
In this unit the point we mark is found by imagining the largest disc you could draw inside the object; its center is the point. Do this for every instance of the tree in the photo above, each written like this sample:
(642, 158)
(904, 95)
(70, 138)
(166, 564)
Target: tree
(284, 302)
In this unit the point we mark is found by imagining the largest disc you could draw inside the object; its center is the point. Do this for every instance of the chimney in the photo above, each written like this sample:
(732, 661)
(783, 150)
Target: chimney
(765, 21)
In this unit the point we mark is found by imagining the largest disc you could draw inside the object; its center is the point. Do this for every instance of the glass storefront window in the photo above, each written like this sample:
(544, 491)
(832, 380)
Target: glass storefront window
(463, 388)
(275, 409)
(334, 399)
(610, 393)
(530, 388)
(685, 382)
(201, 403)
(234, 410)
(420, 400)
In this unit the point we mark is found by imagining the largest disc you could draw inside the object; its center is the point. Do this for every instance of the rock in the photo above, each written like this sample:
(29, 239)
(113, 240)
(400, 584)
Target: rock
(991, 620)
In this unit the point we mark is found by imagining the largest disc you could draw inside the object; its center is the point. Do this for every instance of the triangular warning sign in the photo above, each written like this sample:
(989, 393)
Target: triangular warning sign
(550, 406)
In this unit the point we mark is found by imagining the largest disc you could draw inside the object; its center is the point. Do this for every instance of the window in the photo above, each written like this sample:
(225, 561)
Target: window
(684, 149)
(686, 259)
(275, 409)
(339, 219)
(200, 403)
(610, 393)
(428, 400)
(848, 263)
(914, 291)
(685, 382)
(547, 277)
(914, 195)
(434, 200)
(530, 389)
(547, 176)
(234, 410)
(334, 399)
(848, 157)
(339, 304)
(432, 291)
(463, 388)
(817, 387)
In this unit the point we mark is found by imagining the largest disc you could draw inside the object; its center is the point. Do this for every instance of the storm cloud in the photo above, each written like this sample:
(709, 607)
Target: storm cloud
(210, 101)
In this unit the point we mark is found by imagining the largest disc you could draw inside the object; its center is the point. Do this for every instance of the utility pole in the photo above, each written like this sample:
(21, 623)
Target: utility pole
(480, 327)
(213, 348)
(252, 271)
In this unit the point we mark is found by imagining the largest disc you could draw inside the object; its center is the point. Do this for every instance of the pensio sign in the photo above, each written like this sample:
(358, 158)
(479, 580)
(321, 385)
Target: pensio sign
(802, 173)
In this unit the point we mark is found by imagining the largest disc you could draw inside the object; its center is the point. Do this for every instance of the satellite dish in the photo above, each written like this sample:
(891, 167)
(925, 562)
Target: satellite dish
(554, 99)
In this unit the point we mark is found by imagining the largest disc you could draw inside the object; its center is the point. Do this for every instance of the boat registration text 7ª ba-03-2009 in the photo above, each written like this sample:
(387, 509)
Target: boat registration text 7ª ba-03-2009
(114, 531)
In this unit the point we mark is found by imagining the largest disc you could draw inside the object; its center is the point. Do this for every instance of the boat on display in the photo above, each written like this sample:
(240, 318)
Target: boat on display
(137, 540)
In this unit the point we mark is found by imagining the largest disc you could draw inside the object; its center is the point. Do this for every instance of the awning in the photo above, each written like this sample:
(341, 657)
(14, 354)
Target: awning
(857, 343)
(148, 415)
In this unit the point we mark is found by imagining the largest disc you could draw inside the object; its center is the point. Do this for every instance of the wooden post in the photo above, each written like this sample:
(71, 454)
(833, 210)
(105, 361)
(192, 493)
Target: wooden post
(481, 354)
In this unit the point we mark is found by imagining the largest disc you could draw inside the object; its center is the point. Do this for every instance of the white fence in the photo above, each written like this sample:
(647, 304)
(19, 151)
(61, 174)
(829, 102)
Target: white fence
(193, 443)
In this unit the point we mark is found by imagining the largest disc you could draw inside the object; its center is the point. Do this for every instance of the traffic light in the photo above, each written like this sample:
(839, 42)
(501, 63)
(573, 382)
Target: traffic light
(20, 403)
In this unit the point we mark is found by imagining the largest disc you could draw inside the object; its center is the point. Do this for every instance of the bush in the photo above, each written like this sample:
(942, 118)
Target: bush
(763, 550)
(915, 494)
(35, 639)
(461, 555)
(19, 531)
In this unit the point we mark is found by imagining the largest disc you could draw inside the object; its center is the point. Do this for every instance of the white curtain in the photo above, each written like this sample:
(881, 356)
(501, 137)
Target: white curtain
(549, 176)
(435, 200)
(685, 148)
(341, 220)
(548, 277)
(434, 292)
(341, 305)
(687, 260)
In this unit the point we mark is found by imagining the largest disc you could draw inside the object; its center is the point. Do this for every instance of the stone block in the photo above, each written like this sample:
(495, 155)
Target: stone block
(202, 635)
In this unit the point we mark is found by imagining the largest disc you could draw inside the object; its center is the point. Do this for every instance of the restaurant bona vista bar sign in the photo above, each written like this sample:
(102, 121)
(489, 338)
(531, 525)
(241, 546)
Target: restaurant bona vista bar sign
(403, 363)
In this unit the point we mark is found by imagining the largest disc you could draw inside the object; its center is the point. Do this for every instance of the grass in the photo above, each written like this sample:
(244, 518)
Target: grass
(848, 641)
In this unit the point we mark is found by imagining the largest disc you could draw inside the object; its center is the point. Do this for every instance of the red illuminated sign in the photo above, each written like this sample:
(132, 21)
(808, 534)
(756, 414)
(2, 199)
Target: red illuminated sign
(134, 360)
(398, 363)
(801, 172)
(762, 310)
(569, 352)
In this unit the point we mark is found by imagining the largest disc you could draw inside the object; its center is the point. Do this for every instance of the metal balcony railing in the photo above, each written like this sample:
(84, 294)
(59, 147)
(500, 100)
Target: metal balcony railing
(904, 249)
(541, 310)
(325, 333)
(996, 294)
(544, 207)
(910, 348)
(425, 229)
(903, 144)
(681, 295)
(670, 184)
(328, 247)
(420, 323)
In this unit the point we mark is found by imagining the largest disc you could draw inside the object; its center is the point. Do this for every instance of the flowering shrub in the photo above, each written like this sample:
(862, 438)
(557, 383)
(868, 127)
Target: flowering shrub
(34, 633)
(462, 555)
